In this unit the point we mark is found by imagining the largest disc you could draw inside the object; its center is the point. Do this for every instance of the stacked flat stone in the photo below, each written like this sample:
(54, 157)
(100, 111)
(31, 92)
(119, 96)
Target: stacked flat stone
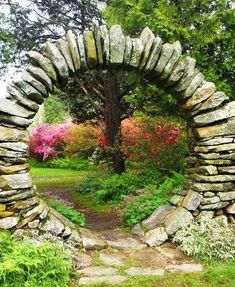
(210, 187)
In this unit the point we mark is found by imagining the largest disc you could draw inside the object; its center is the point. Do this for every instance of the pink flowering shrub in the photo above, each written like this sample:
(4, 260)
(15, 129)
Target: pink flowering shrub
(47, 141)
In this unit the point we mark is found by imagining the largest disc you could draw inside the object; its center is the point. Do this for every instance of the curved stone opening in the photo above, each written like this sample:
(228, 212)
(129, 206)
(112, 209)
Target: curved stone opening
(210, 186)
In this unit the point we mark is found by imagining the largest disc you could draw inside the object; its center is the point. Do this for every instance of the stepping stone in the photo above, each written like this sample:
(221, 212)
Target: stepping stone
(82, 260)
(111, 280)
(139, 271)
(173, 255)
(112, 259)
(91, 241)
(184, 268)
(155, 237)
(126, 243)
(98, 271)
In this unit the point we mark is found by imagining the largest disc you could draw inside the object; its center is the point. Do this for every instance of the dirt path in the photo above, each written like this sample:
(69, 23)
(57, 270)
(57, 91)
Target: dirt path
(97, 221)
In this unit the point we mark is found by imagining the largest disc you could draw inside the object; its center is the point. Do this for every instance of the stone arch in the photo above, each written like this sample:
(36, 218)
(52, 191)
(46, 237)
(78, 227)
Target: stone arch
(210, 187)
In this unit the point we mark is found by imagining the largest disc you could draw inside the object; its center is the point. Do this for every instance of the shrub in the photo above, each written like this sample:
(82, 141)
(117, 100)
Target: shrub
(81, 140)
(207, 239)
(23, 264)
(47, 141)
(54, 110)
(73, 215)
(89, 184)
(143, 205)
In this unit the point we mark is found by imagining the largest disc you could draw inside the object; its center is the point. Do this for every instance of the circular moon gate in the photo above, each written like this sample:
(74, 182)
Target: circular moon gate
(210, 186)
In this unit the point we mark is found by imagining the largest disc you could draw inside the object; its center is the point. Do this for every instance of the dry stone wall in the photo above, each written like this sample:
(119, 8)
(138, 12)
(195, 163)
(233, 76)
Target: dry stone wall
(210, 187)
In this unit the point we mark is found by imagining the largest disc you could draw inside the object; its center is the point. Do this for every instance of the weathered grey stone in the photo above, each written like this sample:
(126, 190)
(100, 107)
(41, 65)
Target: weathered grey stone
(213, 206)
(216, 141)
(111, 280)
(117, 45)
(176, 200)
(74, 50)
(209, 194)
(214, 101)
(166, 53)
(227, 169)
(36, 210)
(192, 200)
(67, 232)
(138, 230)
(147, 37)
(128, 50)
(91, 240)
(75, 238)
(90, 48)
(213, 178)
(201, 94)
(172, 61)
(11, 154)
(154, 54)
(137, 51)
(11, 108)
(63, 46)
(9, 222)
(202, 187)
(40, 75)
(82, 260)
(30, 92)
(197, 80)
(98, 42)
(5, 194)
(34, 224)
(28, 78)
(20, 195)
(14, 160)
(210, 200)
(61, 67)
(204, 169)
(185, 268)
(177, 73)
(105, 40)
(155, 237)
(215, 130)
(231, 209)
(44, 63)
(126, 243)
(53, 225)
(82, 52)
(15, 181)
(225, 112)
(206, 215)
(189, 70)
(15, 121)
(24, 204)
(112, 259)
(13, 168)
(141, 271)
(227, 195)
(22, 99)
(176, 219)
(215, 148)
(93, 271)
(16, 146)
(157, 217)
(44, 214)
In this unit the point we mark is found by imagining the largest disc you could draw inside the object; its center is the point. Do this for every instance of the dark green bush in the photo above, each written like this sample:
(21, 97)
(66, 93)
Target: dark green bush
(23, 264)
(143, 205)
(73, 215)
(114, 187)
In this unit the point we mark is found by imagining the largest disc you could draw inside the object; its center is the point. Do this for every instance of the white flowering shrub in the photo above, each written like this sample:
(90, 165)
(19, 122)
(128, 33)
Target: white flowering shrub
(207, 239)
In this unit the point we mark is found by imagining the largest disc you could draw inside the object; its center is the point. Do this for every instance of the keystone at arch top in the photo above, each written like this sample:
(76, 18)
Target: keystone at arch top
(210, 181)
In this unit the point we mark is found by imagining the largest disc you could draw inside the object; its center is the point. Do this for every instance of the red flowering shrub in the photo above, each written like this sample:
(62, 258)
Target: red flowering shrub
(47, 141)
(142, 139)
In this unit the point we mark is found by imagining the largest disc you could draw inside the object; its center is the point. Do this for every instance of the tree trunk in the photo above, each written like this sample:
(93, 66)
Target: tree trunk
(113, 123)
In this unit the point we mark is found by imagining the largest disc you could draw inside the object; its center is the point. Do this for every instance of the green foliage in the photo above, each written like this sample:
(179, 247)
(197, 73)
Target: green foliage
(54, 110)
(207, 239)
(73, 215)
(143, 205)
(24, 264)
(204, 28)
(115, 187)
(62, 163)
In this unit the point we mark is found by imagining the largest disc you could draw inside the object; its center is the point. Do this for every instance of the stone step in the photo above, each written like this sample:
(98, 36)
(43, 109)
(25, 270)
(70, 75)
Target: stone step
(111, 280)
